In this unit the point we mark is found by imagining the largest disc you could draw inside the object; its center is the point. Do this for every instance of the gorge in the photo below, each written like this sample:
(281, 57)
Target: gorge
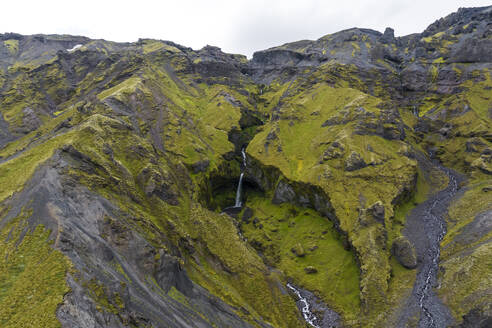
(338, 182)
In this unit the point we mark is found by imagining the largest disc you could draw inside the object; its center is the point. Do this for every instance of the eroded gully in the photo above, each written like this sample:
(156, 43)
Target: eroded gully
(425, 228)
(305, 302)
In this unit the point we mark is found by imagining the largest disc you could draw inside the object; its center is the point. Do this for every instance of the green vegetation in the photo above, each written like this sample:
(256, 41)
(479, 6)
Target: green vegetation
(127, 87)
(32, 277)
(16, 172)
(12, 46)
(155, 132)
(278, 229)
(310, 159)
(466, 255)
(105, 299)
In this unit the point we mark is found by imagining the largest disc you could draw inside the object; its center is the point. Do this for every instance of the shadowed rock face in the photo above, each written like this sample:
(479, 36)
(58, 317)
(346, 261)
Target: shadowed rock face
(85, 228)
(127, 153)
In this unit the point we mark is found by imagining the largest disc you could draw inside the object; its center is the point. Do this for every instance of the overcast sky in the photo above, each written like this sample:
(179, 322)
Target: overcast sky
(237, 26)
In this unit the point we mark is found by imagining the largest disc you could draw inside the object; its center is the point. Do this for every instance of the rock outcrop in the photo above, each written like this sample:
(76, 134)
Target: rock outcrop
(118, 159)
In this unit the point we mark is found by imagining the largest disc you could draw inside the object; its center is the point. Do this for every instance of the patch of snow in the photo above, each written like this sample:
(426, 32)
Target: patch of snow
(77, 46)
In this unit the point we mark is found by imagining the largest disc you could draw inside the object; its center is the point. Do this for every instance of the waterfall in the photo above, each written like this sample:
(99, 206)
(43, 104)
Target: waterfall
(244, 158)
(238, 192)
(240, 184)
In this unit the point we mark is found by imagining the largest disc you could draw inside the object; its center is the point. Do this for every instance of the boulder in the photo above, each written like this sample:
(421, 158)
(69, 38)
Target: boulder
(354, 162)
(310, 269)
(377, 211)
(476, 318)
(247, 215)
(298, 250)
(335, 150)
(404, 252)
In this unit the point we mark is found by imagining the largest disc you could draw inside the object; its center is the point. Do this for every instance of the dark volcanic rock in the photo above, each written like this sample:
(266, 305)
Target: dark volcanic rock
(285, 193)
(200, 166)
(377, 211)
(138, 258)
(476, 318)
(354, 162)
(91, 232)
(404, 252)
(335, 150)
(424, 229)
(247, 214)
(388, 35)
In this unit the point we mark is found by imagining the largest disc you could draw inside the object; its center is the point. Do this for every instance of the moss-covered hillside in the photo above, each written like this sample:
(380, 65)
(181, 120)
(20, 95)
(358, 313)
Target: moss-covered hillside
(119, 164)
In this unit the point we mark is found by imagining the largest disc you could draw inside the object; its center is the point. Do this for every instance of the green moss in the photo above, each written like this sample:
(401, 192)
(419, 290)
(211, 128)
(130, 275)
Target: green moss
(356, 48)
(120, 269)
(466, 265)
(433, 72)
(439, 60)
(432, 37)
(278, 230)
(12, 46)
(214, 236)
(247, 285)
(151, 46)
(127, 86)
(175, 120)
(460, 215)
(302, 159)
(15, 172)
(32, 277)
(422, 191)
(431, 101)
(40, 135)
(178, 296)
(105, 299)
(465, 280)
(478, 94)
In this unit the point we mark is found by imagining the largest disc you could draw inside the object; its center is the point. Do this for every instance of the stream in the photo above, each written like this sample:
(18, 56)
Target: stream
(426, 228)
(307, 302)
(306, 310)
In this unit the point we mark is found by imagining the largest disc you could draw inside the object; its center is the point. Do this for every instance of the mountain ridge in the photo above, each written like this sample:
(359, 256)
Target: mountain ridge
(122, 156)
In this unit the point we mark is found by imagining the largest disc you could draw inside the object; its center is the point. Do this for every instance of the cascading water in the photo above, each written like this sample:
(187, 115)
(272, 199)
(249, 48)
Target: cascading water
(238, 192)
(244, 157)
(240, 184)
(306, 310)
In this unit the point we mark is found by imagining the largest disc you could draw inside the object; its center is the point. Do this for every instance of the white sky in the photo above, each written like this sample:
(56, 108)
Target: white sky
(237, 26)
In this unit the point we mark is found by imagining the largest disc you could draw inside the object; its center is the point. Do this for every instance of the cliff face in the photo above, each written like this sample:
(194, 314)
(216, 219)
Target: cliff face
(117, 160)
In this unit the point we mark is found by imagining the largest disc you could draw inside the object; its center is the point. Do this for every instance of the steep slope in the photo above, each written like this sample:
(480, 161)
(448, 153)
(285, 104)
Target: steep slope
(117, 160)
(108, 169)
